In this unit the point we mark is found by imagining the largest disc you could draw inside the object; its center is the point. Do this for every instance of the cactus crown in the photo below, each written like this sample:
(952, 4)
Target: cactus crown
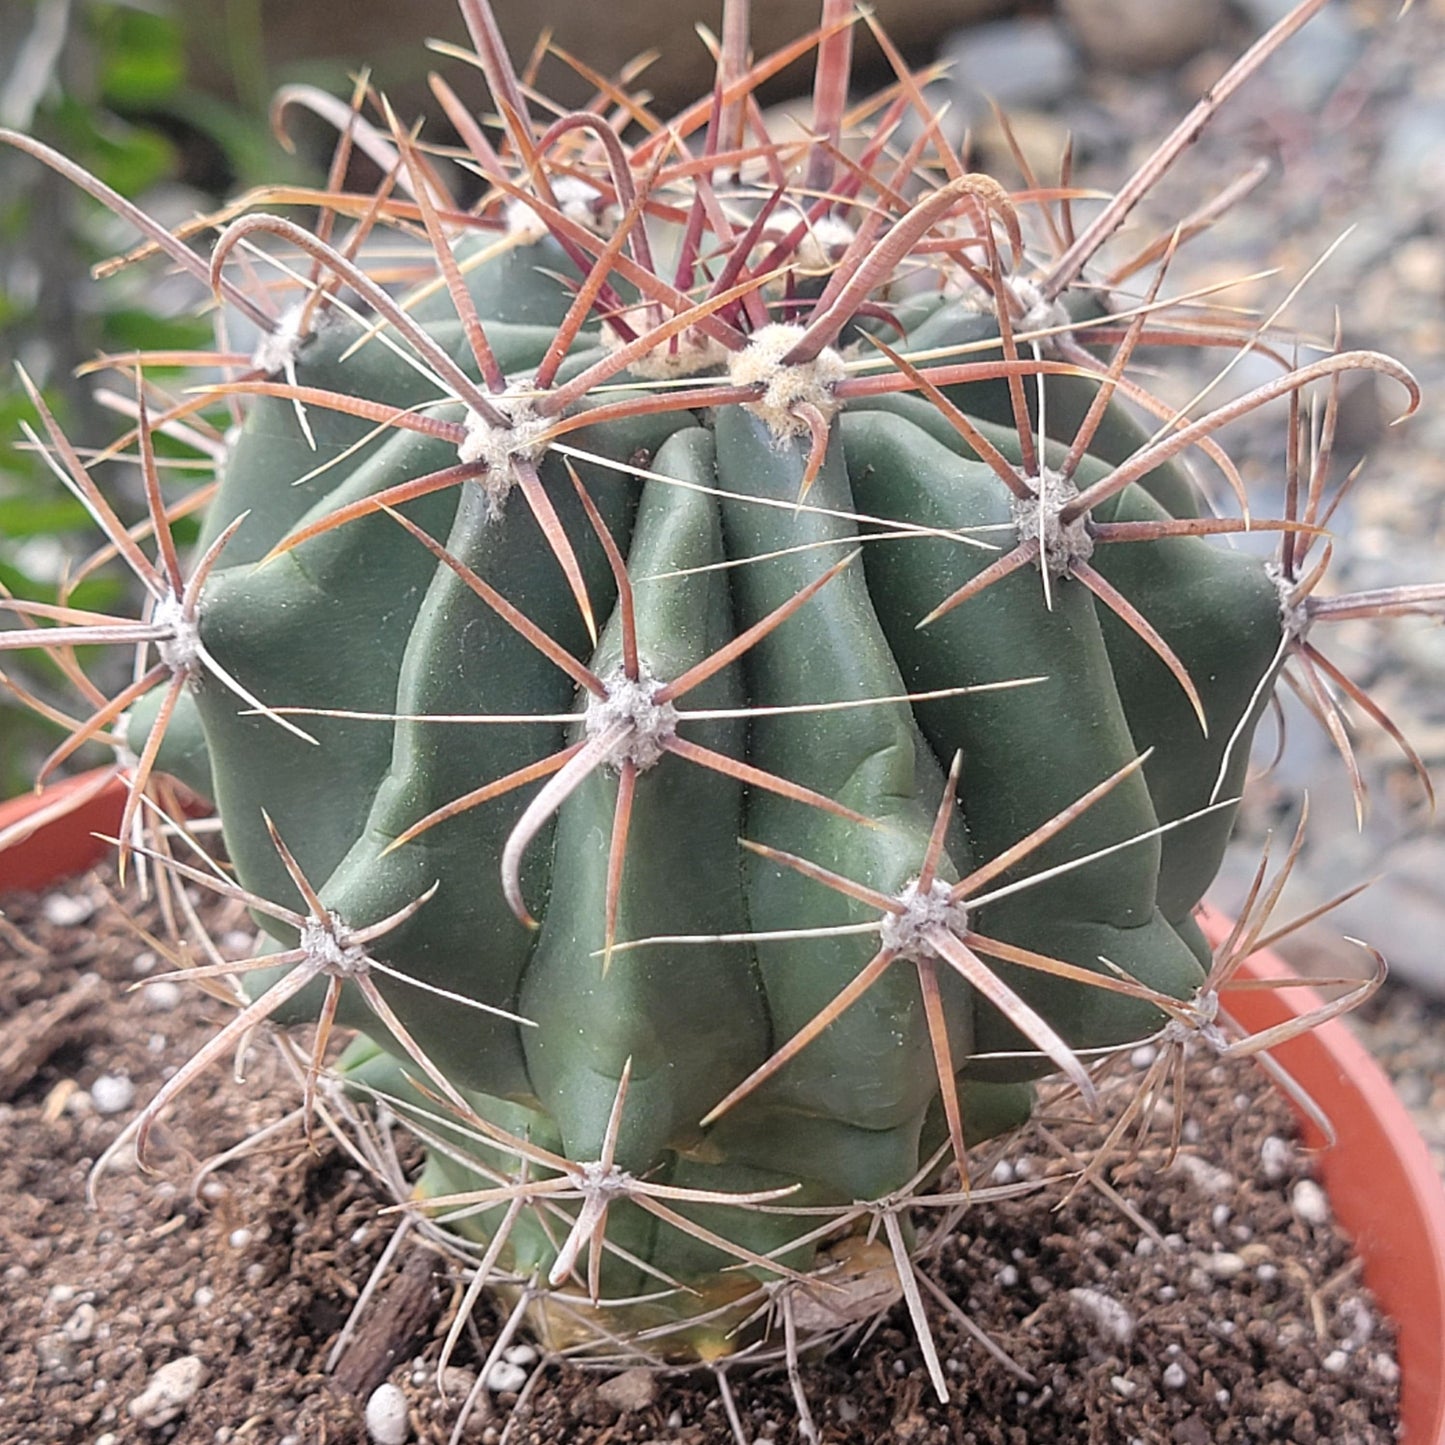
(700, 661)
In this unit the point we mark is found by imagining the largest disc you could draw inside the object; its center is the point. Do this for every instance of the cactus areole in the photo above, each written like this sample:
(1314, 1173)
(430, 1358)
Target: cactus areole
(703, 660)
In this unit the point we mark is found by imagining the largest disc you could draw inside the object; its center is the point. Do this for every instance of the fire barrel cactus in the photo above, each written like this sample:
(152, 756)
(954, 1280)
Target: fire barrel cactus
(702, 659)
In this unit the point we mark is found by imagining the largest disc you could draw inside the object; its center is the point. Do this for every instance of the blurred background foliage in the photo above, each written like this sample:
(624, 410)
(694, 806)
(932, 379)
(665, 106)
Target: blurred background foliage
(105, 82)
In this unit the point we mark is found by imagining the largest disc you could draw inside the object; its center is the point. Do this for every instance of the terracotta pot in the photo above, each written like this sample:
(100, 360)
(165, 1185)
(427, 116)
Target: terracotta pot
(1381, 1180)
(1382, 1183)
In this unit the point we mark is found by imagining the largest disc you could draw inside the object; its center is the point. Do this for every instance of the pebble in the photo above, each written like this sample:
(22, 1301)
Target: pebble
(162, 996)
(66, 910)
(1336, 1362)
(1174, 1377)
(1023, 62)
(81, 1325)
(1309, 1203)
(1206, 1177)
(386, 1416)
(112, 1094)
(168, 1392)
(1112, 1318)
(56, 1354)
(1140, 35)
(631, 1390)
(1306, 72)
(520, 1355)
(1276, 1155)
(1222, 1265)
(505, 1376)
(456, 1382)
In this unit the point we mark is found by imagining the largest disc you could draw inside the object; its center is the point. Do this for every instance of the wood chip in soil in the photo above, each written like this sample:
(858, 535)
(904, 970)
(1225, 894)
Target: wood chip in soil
(1248, 1322)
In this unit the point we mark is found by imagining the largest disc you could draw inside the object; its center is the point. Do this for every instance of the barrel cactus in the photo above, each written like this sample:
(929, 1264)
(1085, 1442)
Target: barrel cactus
(702, 662)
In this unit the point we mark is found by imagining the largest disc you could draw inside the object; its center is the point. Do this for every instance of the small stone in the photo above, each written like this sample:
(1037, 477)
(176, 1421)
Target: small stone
(1386, 1368)
(1306, 72)
(56, 1353)
(1206, 1177)
(1276, 1156)
(386, 1421)
(1309, 1203)
(1124, 1386)
(239, 1238)
(1191, 1432)
(1140, 35)
(81, 1325)
(505, 1377)
(162, 996)
(1112, 1318)
(168, 1392)
(109, 1438)
(457, 1382)
(1008, 1276)
(64, 910)
(1336, 1362)
(112, 1094)
(631, 1390)
(1021, 62)
(1174, 1377)
(520, 1355)
(1222, 1265)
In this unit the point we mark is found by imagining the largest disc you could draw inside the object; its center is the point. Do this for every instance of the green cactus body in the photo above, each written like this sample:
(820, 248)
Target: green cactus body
(364, 618)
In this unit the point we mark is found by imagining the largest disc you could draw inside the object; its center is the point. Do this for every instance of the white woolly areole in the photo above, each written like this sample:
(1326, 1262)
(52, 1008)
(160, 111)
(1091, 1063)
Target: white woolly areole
(785, 387)
(181, 651)
(278, 350)
(1202, 1023)
(1293, 616)
(1037, 518)
(326, 942)
(596, 1178)
(905, 933)
(497, 446)
(578, 200)
(1039, 313)
(653, 723)
(690, 353)
(822, 244)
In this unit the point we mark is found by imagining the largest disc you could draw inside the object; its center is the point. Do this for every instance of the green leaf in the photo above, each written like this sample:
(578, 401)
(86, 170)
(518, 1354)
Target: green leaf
(141, 58)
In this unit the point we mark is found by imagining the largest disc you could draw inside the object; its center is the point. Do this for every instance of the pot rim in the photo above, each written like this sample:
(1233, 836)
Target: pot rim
(1379, 1176)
